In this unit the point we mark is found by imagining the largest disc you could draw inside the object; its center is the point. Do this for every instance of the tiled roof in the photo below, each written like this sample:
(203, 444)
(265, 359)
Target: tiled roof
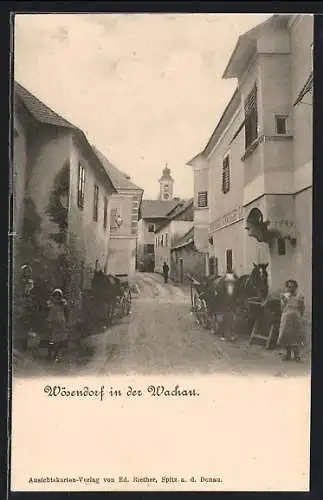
(119, 179)
(156, 209)
(175, 213)
(185, 240)
(179, 208)
(46, 115)
(39, 110)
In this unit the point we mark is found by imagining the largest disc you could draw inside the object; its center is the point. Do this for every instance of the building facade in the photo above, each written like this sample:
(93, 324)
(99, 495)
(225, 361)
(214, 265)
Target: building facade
(152, 214)
(179, 222)
(259, 158)
(186, 259)
(67, 191)
(124, 213)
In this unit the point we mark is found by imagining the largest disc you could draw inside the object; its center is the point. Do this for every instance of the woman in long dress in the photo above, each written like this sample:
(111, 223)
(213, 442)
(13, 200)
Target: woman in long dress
(57, 319)
(292, 329)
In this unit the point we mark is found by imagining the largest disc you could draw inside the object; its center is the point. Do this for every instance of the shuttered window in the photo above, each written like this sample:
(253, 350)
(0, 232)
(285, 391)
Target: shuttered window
(95, 202)
(81, 186)
(226, 174)
(251, 117)
(229, 262)
(202, 199)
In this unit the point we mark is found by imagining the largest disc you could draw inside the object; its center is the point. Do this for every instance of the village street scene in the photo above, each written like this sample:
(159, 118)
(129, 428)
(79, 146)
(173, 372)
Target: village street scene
(162, 225)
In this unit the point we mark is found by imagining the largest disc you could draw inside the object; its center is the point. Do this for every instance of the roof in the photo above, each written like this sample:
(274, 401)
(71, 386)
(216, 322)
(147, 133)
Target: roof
(39, 110)
(44, 114)
(227, 114)
(185, 240)
(119, 179)
(173, 214)
(247, 44)
(306, 89)
(156, 209)
(181, 206)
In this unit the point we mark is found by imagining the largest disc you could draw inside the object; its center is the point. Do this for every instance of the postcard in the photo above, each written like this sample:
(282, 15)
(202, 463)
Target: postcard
(162, 252)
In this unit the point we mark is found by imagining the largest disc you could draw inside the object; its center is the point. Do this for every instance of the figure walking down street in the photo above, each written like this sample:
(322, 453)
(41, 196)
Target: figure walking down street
(292, 330)
(165, 272)
(57, 322)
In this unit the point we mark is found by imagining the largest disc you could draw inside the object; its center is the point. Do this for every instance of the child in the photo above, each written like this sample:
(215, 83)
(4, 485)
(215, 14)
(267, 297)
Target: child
(57, 319)
(291, 331)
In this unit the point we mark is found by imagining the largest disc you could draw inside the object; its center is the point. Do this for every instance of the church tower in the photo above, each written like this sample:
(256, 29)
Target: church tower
(166, 183)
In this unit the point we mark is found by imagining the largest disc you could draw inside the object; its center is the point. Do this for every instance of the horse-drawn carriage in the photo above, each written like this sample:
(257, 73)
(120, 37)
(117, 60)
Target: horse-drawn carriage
(237, 306)
(111, 296)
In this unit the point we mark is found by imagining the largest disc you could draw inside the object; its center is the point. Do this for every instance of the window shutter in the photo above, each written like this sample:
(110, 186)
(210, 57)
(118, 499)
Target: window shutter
(202, 199)
(251, 102)
(226, 175)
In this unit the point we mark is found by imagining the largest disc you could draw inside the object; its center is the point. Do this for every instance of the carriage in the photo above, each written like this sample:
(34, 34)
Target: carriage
(248, 310)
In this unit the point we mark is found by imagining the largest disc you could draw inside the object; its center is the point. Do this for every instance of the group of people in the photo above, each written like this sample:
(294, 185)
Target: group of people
(36, 310)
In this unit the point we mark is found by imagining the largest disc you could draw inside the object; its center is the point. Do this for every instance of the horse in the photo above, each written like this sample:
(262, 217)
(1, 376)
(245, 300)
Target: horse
(217, 299)
(253, 286)
(226, 297)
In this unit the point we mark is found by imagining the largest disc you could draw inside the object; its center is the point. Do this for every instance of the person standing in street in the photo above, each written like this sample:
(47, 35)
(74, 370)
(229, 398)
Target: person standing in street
(292, 329)
(57, 322)
(165, 272)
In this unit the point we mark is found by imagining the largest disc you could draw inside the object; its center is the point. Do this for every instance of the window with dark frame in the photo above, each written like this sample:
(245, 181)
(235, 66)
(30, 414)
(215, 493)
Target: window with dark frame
(251, 118)
(281, 124)
(81, 186)
(96, 202)
(151, 228)
(281, 246)
(226, 174)
(202, 199)
(105, 212)
(229, 262)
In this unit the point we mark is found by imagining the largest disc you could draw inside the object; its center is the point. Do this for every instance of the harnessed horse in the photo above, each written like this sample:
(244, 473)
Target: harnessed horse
(222, 301)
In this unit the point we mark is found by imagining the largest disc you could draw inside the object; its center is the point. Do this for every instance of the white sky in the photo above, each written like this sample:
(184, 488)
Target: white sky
(145, 88)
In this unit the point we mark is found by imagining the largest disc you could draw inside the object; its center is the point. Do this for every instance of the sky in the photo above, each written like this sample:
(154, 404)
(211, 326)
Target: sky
(145, 88)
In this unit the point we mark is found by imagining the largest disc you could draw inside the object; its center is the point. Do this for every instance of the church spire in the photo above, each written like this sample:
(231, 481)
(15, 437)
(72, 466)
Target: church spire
(166, 184)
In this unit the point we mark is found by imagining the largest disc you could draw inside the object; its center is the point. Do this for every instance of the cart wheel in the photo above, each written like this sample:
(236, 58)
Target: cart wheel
(205, 318)
(200, 310)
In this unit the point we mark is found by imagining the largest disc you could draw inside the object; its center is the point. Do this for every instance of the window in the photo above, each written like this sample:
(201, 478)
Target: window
(226, 174)
(281, 246)
(202, 199)
(81, 186)
(95, 202)
(166, 240)
(229, 261)
(156, 241)
(151, 228)
(162, 240)
(251, 117)
(281, 124)
(105, 213)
